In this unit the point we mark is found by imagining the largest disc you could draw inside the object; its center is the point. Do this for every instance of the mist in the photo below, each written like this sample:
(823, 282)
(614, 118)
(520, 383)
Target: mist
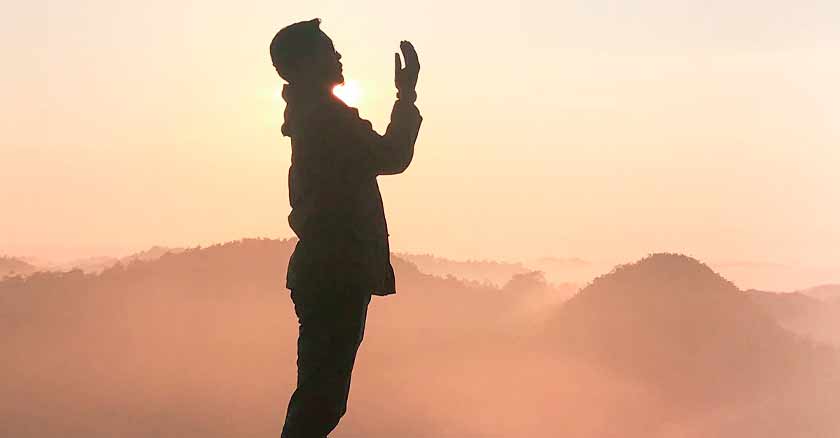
(201, 342)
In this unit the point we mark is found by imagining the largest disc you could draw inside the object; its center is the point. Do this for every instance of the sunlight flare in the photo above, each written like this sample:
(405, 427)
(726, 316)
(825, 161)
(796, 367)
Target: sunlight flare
(350, 92)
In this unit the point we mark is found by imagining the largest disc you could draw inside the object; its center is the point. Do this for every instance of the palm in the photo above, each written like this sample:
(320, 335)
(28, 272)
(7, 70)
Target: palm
(405, 78)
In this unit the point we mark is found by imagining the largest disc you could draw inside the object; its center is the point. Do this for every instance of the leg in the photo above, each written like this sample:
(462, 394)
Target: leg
(331, 328)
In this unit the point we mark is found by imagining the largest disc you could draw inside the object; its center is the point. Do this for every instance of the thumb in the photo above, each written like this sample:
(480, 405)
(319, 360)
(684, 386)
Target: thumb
(397, 63)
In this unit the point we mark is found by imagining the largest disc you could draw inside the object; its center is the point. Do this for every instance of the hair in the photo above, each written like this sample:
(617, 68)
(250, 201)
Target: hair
(292, 43)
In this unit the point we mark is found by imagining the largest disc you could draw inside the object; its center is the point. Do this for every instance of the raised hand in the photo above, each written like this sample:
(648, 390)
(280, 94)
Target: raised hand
(406, 78)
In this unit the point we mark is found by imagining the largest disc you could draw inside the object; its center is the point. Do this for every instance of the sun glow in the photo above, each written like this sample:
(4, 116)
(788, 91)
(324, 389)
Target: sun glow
(350, 92)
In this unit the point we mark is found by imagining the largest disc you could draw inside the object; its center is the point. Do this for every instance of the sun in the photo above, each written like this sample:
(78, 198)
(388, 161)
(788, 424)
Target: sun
(349, 92)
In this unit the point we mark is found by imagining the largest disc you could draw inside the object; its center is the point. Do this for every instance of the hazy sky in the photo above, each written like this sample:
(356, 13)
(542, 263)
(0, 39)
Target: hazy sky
(599, 129)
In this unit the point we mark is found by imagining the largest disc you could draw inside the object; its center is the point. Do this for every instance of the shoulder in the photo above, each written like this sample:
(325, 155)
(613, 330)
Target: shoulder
(350, 115)
(335, 122)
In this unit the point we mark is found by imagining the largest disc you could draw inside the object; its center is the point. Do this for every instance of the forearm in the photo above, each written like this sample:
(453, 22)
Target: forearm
(400, 137)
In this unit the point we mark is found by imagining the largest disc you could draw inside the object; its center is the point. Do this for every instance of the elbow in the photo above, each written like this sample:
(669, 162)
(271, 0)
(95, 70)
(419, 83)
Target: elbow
(398, 157)
(405, 160)
(397, 166)
(403, 166)
(396, 169)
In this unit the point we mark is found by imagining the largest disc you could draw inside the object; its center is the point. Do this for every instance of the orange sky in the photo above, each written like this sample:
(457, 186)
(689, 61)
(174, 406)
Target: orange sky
(582, 128)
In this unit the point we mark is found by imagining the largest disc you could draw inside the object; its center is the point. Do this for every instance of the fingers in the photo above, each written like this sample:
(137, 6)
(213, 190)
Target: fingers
(410, 55)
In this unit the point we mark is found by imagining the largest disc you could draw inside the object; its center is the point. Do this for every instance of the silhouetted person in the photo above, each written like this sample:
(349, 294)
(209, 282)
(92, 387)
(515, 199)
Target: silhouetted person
(342, 256)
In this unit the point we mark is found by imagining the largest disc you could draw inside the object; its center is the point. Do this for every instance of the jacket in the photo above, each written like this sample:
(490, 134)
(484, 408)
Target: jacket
(337, 210)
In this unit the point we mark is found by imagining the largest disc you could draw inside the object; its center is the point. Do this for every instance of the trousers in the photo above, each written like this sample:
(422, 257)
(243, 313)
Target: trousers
(331, 326)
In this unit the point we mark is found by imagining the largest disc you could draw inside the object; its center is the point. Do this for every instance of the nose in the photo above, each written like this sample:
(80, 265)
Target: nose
(338, 55)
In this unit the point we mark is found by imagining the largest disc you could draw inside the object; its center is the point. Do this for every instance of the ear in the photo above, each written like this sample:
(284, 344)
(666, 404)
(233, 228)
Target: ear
(299, 70)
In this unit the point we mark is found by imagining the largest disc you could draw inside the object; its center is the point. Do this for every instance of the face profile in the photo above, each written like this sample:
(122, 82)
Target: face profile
(332, 69)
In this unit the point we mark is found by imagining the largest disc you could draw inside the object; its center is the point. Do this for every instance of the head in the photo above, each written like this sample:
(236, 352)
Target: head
(303, 54)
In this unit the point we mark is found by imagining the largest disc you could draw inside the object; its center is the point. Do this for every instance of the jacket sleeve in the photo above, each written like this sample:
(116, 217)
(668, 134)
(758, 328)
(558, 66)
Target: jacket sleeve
(392, 152)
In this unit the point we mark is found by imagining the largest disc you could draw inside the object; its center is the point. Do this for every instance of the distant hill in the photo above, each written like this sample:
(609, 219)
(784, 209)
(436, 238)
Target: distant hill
(764, 275)
(817, 319)
(563, 271)
(150, 254)
(95, 265)
(497, 273)
(568, 270)
(673, 322)
(10, 266)
(827, 292)
(784, 307)
(91, 265)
